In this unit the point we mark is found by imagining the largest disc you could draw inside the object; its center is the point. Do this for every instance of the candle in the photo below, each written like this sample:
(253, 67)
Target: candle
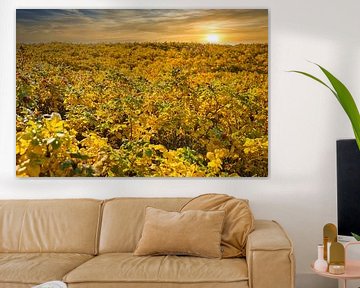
(336, 269)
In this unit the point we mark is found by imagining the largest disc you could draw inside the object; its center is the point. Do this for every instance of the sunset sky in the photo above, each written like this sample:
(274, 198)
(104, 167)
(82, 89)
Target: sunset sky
(93, 26)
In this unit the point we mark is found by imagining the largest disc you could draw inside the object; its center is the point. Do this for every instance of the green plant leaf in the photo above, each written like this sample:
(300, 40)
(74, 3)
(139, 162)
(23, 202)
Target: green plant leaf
(344, 97)
(346, 100)
(316, 79)
(356, 236)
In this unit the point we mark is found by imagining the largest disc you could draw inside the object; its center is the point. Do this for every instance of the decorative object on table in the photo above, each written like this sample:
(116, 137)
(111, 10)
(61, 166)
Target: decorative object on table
(52, 284)
(344, 273)
(329, 236)
(142, 93)
(337, 258)
(333, 252)
(320, 264)
(336, 269)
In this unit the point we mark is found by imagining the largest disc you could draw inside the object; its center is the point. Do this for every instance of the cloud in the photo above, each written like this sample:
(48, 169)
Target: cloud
(105, 25)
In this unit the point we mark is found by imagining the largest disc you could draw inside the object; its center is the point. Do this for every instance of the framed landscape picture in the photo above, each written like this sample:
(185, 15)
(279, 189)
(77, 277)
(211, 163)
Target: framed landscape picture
(142, 93)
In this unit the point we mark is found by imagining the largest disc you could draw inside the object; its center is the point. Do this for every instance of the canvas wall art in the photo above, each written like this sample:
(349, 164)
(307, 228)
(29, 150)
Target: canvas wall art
(141, 93)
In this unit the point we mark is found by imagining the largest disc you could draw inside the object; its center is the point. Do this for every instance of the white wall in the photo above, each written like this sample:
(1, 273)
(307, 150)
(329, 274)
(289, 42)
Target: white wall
(305, 120)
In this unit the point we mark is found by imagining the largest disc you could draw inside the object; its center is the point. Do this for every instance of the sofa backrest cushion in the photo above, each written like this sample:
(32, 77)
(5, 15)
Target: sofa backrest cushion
(66, 226)
(123, 220)
(239, 220)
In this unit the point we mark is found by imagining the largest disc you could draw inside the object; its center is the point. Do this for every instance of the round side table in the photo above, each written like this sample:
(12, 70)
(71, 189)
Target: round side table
(352, 269)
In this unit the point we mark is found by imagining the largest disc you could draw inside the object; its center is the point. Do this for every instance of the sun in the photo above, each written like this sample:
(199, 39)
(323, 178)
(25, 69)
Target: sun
(212, 38)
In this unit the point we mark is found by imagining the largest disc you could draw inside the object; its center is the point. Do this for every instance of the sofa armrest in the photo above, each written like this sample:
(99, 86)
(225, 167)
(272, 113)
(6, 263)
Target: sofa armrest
(269, 256)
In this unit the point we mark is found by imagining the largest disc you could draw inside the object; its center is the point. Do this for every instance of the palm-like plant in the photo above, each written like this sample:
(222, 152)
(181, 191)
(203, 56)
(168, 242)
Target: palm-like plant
(346, 100)
(344, 97)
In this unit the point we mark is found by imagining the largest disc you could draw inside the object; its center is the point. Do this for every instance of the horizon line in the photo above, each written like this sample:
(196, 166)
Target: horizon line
(139, 42)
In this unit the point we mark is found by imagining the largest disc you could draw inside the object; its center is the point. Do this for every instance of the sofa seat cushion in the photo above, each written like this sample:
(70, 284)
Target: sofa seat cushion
(36, 268)
(127, 268)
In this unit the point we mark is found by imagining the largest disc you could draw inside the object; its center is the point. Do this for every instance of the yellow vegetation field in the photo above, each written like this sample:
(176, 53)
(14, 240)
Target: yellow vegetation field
(142, 109)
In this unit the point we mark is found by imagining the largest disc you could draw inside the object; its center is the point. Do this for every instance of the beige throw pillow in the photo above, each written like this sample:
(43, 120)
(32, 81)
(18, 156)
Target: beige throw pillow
(193, 232)
(239, 220)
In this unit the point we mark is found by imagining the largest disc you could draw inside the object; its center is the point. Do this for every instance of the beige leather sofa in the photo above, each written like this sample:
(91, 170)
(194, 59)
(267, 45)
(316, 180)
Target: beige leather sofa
(89, 243)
